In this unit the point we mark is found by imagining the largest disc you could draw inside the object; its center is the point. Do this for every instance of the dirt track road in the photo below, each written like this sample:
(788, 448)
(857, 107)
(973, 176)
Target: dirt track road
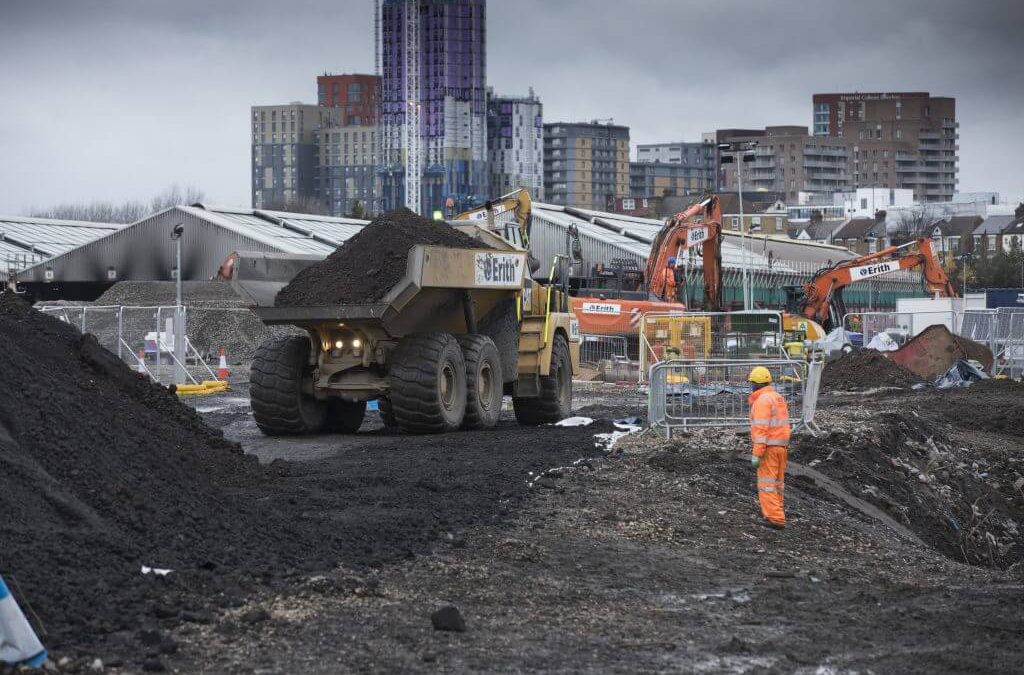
(651, 560)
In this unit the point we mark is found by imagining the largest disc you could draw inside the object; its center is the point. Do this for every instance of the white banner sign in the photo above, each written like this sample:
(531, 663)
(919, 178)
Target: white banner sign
(868, 271)
(695, 236)
(605, 308)
(499, 269)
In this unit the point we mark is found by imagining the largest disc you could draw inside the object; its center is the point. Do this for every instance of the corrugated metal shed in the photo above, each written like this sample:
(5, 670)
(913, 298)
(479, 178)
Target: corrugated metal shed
(606, 236)
(24, 241)
(144, 250)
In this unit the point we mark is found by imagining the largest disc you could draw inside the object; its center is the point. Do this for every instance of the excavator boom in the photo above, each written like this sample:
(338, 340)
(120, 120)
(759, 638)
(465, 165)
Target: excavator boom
(681, 232)
(822, 296)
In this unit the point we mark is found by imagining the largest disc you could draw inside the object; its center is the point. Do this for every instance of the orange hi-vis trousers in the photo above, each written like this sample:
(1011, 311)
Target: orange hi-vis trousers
(771, 483)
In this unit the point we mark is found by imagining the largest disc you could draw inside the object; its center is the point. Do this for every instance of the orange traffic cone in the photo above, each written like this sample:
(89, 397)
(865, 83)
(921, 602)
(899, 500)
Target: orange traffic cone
(140, 362)
(222, 367)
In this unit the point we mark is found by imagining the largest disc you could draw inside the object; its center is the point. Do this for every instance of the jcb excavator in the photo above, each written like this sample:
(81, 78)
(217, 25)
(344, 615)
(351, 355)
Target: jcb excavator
(519, 203)
(821, 299)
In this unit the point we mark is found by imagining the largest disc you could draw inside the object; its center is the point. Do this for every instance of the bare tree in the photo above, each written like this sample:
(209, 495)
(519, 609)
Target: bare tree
(128, 212)
(912, 224)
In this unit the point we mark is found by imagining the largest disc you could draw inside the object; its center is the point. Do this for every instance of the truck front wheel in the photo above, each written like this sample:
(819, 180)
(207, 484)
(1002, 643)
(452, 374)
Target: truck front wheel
(279, 405)
(428, 384)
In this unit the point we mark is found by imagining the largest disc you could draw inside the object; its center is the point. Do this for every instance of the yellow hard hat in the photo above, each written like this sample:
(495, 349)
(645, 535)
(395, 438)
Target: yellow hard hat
(760, 375)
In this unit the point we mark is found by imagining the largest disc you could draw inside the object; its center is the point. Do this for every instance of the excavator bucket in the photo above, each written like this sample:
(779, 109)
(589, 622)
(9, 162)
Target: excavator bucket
(933, 352)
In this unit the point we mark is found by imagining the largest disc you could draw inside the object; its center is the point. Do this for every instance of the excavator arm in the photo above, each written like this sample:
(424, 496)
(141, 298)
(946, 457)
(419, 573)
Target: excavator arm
(699, 225)
(518, 202)
(822, 296)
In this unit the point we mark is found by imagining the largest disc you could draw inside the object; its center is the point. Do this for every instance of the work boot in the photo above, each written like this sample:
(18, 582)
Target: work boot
(774, 526)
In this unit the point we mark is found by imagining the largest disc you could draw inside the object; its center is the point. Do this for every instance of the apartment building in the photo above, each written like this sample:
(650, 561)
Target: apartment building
(284, 152)
(586, 165)
(515, 144)
(896, 140)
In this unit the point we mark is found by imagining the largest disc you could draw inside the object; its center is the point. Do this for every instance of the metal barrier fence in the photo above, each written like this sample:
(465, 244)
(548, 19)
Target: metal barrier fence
(597, 348)
(714, 393)
(142, 337)
(1002, 331)
(691, 336)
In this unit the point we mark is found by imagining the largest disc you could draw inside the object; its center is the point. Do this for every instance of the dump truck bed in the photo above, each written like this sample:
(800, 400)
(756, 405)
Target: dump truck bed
(429, 290)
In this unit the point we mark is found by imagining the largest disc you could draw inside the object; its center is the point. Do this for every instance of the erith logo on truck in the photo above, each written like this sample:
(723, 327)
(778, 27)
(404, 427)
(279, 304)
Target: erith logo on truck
(601, 308)
(868, 271)
(499, 269)
(696, 236)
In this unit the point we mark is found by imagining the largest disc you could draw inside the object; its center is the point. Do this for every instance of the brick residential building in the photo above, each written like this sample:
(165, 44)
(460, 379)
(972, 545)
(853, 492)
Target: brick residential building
(357, 98)
(896, 140)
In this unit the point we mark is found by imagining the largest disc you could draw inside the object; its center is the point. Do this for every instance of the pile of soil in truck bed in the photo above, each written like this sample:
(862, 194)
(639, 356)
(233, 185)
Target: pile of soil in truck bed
(865, 369)
(367, 266)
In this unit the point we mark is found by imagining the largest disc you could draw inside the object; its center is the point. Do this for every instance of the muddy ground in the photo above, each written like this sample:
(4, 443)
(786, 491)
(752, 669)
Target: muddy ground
(653, 559)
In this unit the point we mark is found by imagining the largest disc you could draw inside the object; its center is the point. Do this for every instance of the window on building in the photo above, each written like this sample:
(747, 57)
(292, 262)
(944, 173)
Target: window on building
(992, 242)
(628, 205)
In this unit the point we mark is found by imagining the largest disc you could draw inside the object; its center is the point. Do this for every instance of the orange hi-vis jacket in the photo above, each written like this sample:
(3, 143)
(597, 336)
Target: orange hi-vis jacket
(769, 420)
(668, 274)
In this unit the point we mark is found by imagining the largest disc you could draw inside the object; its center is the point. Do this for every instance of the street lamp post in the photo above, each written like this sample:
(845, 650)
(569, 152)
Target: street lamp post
(741, 152)
(179, 311)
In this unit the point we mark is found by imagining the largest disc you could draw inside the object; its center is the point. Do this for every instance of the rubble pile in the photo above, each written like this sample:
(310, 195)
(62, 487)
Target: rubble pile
(963, 500)
(865, 369)
(367, 266)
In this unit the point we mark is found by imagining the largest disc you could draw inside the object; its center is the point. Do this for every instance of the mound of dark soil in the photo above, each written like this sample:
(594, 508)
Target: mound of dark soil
(865, 369)
(103, 472)
(987, 405)
(367, 266)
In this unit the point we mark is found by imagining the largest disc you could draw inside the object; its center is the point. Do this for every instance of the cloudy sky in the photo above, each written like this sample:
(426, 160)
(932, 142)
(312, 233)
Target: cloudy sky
(118, 99)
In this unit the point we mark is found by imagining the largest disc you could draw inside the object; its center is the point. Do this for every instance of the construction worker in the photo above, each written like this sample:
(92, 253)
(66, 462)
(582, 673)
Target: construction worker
(668, 275)
(769, 435)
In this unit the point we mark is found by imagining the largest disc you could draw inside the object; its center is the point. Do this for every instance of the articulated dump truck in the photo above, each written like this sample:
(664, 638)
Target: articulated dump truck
(438, 352)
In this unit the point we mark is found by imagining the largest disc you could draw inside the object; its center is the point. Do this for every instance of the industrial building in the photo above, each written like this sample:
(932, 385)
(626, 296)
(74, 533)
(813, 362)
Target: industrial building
(432, 59)
(586, 165)
(515, 143)
(144, 250)
(25, 241)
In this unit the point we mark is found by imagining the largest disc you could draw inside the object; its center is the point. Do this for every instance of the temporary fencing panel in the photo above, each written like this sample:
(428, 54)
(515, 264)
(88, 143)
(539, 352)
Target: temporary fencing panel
(709, 335)
(713, 393)
(597, 348)
(129, 332)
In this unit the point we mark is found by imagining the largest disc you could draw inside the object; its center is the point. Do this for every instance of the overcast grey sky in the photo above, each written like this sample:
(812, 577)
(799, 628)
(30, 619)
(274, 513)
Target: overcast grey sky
(117, 99)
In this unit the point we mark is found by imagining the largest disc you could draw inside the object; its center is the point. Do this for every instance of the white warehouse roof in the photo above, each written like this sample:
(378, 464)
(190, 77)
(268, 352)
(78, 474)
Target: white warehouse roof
(25, 241)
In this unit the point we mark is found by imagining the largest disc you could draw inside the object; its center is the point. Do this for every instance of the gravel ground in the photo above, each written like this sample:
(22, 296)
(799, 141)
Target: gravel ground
(652, 559)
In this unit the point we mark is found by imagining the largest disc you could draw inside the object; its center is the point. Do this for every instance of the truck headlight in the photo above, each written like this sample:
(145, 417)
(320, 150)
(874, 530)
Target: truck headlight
(357, 344)
(340, 344)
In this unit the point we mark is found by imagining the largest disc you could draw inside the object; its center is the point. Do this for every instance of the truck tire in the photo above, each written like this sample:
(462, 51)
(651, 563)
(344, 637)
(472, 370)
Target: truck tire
(555, 400)
(275, 391)
(428, 384)
(345, 417)
(484, 383)
(387, 416)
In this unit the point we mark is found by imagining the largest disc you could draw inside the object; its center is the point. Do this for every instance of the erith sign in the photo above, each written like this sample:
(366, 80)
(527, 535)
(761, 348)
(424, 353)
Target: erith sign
(697, 235)
(499, 269)
(868, 271)
(605, 308)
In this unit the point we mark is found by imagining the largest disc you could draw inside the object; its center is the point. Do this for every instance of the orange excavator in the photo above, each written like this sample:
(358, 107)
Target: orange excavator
(699, 225)
(821, 299)
(613, 299)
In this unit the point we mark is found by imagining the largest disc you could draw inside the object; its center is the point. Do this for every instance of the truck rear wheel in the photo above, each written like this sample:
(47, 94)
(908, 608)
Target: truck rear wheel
(279, 405)
(345, 417)
(484, 384)
(428, 384)
(555, 400)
